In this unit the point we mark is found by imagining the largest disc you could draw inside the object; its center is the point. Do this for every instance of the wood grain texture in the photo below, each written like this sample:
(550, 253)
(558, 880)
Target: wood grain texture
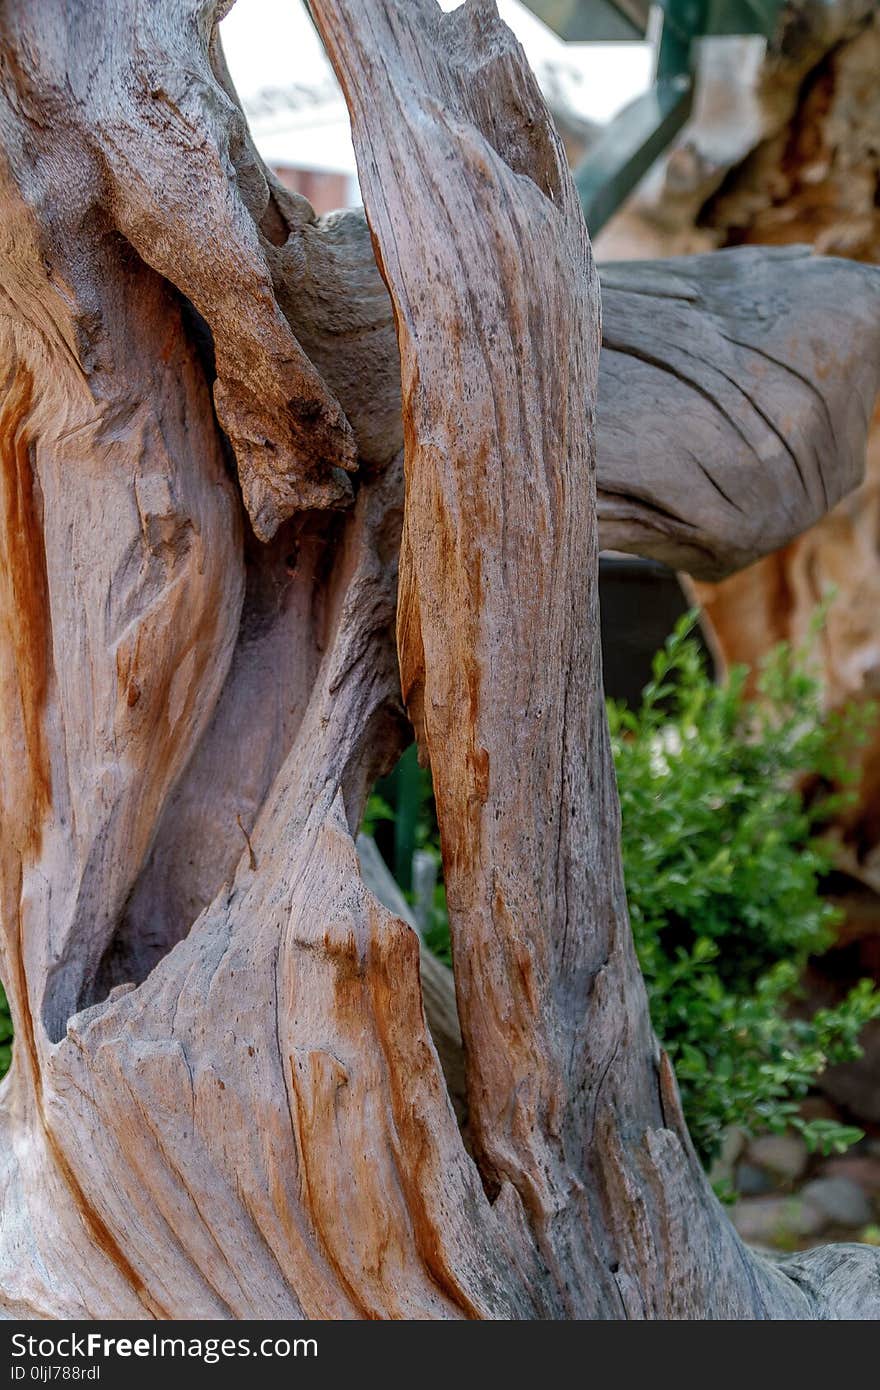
(573, 1112)
(307, 378)
(441, 1010)
(225, 1100)
(754, 395)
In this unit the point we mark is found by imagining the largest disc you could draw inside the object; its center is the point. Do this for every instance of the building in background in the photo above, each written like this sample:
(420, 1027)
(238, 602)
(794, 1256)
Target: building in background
(299, 120)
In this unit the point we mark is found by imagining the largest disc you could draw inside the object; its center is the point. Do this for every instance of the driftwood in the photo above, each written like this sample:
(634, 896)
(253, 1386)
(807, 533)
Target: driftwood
(224, 1100)
(753, 398)
(806, 170)
(775, 407)
(438, 994)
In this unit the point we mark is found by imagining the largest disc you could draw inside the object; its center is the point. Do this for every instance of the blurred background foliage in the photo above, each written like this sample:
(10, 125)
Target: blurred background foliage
(723, 798)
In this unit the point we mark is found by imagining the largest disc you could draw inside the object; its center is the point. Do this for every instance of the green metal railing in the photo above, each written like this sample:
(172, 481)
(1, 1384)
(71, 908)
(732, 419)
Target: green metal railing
(596, 21)
(630, 143)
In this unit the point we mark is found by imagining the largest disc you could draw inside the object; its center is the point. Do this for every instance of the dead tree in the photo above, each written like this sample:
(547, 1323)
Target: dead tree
(225, 1101)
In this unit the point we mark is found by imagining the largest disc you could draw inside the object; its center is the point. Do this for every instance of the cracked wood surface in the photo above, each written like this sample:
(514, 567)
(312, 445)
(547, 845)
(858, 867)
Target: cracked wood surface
(573, 1113)
(750, 397)
(158, 154)
(225, 1100)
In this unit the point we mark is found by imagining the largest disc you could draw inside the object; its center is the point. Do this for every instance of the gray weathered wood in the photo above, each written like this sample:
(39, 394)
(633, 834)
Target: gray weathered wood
(568, 1094)
(308, 380)
(750, 391)
(438, 994)
(225, 1100)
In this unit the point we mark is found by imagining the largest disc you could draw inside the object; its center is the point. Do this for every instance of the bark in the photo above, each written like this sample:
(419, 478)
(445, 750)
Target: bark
(225, 1101)
(776, 409)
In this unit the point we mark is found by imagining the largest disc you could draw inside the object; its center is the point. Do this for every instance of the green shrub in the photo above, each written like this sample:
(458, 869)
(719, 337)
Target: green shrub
(722, 797)
(5, 1035)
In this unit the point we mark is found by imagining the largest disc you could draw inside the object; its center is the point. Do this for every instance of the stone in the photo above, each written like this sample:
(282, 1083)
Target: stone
(862, 1169)
(777, 1220)
(733, 1143)
(784, 1155)
(840, 1199)
(753, 1181)
(818, 1108)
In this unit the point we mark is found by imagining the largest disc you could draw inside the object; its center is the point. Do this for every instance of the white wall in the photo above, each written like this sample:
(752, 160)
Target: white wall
(271, 46)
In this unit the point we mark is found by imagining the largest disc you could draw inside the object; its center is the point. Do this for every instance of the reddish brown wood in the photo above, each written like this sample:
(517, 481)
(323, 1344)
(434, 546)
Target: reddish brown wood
(225, 1099)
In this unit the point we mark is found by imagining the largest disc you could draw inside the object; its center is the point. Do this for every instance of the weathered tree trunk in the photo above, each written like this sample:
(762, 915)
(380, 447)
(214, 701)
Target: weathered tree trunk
(225, 1100)
(788, 151)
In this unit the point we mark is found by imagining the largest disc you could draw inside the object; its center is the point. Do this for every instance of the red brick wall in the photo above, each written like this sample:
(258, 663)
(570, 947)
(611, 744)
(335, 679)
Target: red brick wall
(325, 191)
